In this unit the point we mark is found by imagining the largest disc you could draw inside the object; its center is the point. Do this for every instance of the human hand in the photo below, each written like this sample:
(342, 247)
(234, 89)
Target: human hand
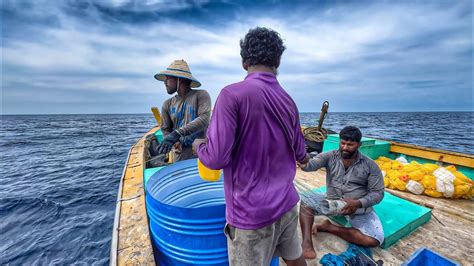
(167, 144)
(351, 206)
(178, 147)
(302, 164)
(197, 143)
(186, 141)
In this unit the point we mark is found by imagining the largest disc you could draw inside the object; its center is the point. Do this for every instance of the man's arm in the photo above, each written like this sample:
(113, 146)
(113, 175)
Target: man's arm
(375, 187)
(321, 160)
(166, 123)
(216, 152)
(299, 145)
(201, 122)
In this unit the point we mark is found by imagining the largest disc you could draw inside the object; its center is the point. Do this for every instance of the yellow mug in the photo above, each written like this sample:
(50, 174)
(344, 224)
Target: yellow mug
(208, 174)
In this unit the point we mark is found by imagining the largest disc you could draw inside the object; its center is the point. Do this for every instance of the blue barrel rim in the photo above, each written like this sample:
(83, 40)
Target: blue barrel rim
(153, 179)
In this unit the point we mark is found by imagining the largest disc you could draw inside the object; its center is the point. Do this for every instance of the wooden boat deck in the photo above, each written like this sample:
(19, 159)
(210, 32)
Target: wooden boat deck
(131, 242)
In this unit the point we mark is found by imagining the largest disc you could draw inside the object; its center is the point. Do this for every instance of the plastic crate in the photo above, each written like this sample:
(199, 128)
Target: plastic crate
(424, 256)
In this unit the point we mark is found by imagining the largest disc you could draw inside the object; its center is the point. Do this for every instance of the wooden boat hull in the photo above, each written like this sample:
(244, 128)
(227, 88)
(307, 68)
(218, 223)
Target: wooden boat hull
(450, 236)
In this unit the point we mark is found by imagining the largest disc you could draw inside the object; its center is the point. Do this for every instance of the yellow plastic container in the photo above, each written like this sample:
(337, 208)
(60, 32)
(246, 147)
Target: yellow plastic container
(208, 174)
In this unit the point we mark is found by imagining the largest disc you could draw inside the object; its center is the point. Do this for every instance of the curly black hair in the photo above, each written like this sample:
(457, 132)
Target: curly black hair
(261, 46)
(350, 133)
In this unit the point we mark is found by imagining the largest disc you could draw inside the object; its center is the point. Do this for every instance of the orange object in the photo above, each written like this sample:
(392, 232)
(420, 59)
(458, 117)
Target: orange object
(405, 178)
(208, 174)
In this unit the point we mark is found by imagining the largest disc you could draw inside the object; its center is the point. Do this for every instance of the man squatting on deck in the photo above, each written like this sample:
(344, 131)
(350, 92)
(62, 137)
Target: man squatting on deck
(255, 136)
(354, 178)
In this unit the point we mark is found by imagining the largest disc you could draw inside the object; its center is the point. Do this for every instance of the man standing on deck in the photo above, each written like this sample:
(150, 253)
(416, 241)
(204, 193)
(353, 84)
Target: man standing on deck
(255, 136)
(355, 182)
(185, 116)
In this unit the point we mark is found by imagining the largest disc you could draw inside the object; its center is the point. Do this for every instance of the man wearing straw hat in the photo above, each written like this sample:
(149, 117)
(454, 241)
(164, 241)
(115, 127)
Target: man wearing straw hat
(185, 116)
(255, 136)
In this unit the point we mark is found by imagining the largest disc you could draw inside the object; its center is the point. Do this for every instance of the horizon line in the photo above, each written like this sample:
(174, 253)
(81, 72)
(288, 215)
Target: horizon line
(302, 112)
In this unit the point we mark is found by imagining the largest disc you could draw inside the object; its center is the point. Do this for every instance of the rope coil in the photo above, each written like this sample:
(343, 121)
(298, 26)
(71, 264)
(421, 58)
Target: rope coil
(318, 134)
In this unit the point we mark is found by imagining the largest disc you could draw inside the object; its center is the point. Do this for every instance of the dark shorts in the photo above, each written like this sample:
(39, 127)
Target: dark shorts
(257, 247)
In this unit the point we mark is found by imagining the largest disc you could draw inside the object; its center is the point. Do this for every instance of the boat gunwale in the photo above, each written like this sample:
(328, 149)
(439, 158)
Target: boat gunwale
(423, 148)
(118, 207)
(413, 146)
(465, 159)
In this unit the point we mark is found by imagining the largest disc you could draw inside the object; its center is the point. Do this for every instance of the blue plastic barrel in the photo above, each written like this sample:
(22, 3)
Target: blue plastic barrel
(187, 216)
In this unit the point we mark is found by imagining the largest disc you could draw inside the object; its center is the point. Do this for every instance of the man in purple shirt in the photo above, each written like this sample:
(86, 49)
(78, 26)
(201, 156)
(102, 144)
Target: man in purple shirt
(255, 136)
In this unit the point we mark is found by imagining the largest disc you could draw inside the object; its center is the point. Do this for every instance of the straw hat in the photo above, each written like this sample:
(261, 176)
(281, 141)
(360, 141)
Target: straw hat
(179, 69)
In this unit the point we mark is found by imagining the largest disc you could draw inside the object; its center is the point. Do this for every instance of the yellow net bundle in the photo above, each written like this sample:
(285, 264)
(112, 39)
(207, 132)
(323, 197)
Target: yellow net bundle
(428, 179)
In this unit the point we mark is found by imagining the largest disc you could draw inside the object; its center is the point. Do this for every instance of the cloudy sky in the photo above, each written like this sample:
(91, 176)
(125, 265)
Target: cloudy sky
(99, 56)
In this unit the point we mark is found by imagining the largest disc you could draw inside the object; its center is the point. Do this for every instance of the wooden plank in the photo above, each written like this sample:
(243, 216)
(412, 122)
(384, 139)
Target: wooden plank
(466, 160)
(132, 246)
(114, 244)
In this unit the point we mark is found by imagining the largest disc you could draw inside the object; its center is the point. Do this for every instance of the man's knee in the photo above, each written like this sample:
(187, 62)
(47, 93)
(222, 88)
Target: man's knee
(371, 242)
(306, 210)
(365, 240)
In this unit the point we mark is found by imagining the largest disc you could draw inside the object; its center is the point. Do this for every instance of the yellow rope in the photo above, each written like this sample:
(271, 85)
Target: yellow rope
(314, 134)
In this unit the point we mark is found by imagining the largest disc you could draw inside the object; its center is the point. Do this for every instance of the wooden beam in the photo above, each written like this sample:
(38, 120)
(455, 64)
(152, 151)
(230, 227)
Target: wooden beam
(466, 160)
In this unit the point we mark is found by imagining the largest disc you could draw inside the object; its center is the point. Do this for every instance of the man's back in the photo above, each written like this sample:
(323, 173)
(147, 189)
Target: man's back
(260, 152)
(255, 136)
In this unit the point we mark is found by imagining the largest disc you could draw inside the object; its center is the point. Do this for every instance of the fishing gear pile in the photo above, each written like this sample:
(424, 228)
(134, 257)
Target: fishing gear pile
(428, 179)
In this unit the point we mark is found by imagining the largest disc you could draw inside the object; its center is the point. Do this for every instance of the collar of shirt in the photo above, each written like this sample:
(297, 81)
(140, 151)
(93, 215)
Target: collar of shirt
(178, 97)
(261, 75)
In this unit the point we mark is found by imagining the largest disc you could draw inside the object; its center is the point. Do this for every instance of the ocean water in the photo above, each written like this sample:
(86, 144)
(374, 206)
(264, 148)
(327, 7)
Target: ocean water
(452, 131)
(60, 174)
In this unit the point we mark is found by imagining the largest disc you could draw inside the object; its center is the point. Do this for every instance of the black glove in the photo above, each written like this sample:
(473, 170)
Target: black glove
(186, 141)
(168, 142)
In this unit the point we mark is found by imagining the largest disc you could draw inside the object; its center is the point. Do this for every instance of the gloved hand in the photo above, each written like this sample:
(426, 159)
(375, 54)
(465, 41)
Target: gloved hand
(168, 142)
(186, 141)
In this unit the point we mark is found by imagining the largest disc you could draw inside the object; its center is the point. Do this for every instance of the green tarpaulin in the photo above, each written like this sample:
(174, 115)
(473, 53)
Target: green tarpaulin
(399, 217)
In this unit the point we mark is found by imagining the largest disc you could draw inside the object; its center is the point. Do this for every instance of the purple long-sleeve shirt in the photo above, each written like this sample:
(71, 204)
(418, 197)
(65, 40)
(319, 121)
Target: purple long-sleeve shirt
(255, 136)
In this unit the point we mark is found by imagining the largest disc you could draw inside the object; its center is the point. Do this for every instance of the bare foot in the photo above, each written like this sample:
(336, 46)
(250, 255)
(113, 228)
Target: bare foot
(308, 252)
(315, 230)
(324, 227)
